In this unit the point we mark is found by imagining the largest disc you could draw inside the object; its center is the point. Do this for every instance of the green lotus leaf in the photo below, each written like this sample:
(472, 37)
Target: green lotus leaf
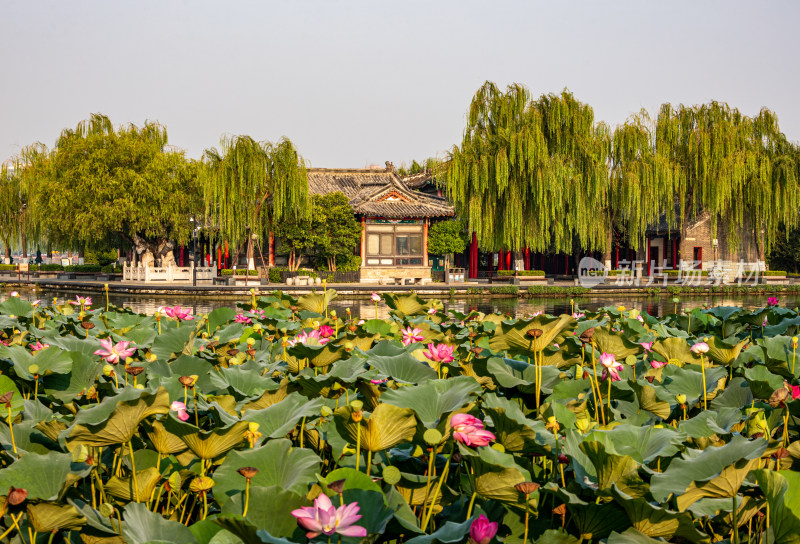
(737, 393)
(688, 381)
(142, 526)
(46, 517)
(353, 479)
(28, 437)
(174, 342)
(218, 317)
(496, 474)
(123, 421)
(710, 423)
(124, 488)
(207, 444)
(49, 360)
(675, 348)
(273, 395)
(610, 341)
(657, 522)
(316, 302)
(777, 354)
(512, 373)
(405, 304)
(513, 430)
(642, 444)
(386, 427)
(691, 471)
(435, 398)
(513, 337)
(317, 354)
(17, 307)
(94, 519)
(762, 382)
(381, 327)
(782, 490)
(17, 401)
(448, 533)
(631, 536)
(43, 476)
(278, 464)
(280, 418)
(243, 379)
(82, 376)
(610, 469)
(648, 400)
(396, 361)
(269, 510)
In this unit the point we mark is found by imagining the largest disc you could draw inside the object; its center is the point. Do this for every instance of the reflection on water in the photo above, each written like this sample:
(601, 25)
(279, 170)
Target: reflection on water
(364, 308)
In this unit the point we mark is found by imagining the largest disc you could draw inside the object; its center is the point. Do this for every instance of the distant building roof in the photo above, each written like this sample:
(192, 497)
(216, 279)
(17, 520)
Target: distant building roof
(377, 193)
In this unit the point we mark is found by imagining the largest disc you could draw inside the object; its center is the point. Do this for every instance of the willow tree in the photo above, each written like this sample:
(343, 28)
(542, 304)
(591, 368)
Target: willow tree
(531, 173)
(248, 184)
(12, 207)
(100, 182)
(726, 165)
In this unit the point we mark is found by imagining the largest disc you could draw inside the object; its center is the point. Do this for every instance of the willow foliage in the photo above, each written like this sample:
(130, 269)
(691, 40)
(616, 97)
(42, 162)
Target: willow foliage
(527, 171)
(11, 205)
(247, 183)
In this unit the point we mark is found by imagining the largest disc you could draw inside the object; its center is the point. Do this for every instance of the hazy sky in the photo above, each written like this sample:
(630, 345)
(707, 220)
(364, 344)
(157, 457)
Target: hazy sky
(359, 82)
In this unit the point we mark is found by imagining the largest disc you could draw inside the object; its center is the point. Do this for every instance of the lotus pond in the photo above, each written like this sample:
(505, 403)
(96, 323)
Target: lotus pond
(284, 421)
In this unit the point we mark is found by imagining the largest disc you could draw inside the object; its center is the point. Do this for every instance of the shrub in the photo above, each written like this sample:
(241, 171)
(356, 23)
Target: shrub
(50, 267)
(82, 268)
(100, 257)
(536, 273)
(474, 290)
(774, 273)
(112, 268)
(348, 263)
(239, 272)
(504, 290)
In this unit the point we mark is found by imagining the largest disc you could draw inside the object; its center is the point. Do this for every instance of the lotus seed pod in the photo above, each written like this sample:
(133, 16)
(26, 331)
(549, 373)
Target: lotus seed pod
(391, 475)
(201, 484)
(348, 346)
(108, 370)
(676, 300)
(336, 386)
(251, 342)
(33, 369)
(499, 447)
(681, 399)
(432, 437)
(337, 486)
(106, 510)
(333, 314)
(326, 411)
(357, 405)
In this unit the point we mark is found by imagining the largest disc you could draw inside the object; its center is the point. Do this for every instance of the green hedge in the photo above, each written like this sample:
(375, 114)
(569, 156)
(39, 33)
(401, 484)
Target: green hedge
(774, 272)
(239, 272)
(504, 290)
(520, 272)
(556, 290)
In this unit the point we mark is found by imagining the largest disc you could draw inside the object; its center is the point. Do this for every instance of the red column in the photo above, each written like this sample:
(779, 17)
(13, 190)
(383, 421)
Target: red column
(473, 257)
(508, 260)
(527, 259)
(566, 264)
(648, 255)
(180, 255)
(271, 249)
(674, 254)
(219, 257)
(227, 254)
(616, 257)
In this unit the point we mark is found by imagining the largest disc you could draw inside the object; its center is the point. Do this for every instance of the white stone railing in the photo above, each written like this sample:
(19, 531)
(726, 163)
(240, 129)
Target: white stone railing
(169, 274)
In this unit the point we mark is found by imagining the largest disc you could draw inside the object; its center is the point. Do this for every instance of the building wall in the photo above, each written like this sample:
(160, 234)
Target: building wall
(699, 235)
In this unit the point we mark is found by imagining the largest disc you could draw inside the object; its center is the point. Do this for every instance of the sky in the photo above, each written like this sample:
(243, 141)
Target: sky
(354, 83)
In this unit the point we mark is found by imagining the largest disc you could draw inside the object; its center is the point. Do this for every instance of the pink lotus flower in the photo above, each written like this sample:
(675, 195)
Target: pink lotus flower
(795, 392)
(375, 297)
(326, 331)
(378, 382)
(304, 338)
(576, 315)
(765, 322)
(411, 336)
(658, 364)
(324, 518)
(37, 346)
(178, 406)
(640, 318)
(36, 303)
(469, 430)
(612, 367)
(700, 347)
(360, 322)
(241, 318)
(13, 294)
(179, 314)
(258, 313)
(83, 302)
(440, 354)
(772, 301)
(431, 311)
(114, 353)
(648, 346)
(482, 530)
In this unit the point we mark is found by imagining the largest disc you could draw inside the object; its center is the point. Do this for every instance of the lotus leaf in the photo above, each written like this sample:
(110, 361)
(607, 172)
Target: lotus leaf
(782, 490)
(142, 526)
(434, 398)
(276, 420)
(124, 488)
(386, 427)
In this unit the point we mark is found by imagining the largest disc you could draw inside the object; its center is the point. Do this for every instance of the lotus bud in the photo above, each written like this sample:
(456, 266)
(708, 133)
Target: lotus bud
(499, 447)
(432, 437)
(676, 300)
(337, 486)
(552, 424)
(150, 356)
(445, 371)
(201, 484)
(333, 314)
(33, 369)
(257, 327)
(348, 346)
(326, 411)
(174, 481)
(108, 370)
(106, 510)
(138, 386)
(620, 309)
(391, 475)
(794, 342)
(583, 424)
(357, 413)
(79, 454)
(253, 427)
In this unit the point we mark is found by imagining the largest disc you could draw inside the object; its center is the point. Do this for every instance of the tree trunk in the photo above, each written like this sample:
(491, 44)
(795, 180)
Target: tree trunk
(607, 259)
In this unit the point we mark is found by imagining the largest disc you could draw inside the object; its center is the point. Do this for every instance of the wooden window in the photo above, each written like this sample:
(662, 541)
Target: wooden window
(394, 244)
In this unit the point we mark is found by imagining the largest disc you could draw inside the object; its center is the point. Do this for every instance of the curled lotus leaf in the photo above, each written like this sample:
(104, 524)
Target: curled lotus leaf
(405, 304)
(46, 517)
(123, 421)
(496, 474)
(208, 444)
(675, 348)
(124, 488)
(386, 427)
(316, 302)
(607, 340)
(164, 441)
(723, 352)
(658, 522)
(611, 469)
(782, 490)
(520, 336)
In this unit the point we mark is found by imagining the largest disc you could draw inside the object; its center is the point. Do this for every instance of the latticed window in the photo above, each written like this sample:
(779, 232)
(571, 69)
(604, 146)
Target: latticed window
(397, 243)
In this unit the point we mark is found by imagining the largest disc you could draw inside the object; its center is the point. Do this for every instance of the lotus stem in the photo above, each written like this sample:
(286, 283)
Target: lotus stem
(205, 505)
(133, 467)
(189, 513)
(609, 394)
(431, 460)
(785, 427)
(527, 514)
(36, 387)
(158, 497)
(246, 497)
(563, 480)
(11, 430)
(471, 504)
(358, 444)
(196, 411)
(52, 533)
(703, 369)
(369, 461)
(442, 478)
(599, 394)
(794, 353)
(302, 431)
(735, 523)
